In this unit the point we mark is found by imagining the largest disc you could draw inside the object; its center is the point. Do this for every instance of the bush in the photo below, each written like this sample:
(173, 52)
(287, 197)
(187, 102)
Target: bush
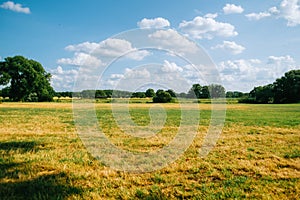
(162, 97)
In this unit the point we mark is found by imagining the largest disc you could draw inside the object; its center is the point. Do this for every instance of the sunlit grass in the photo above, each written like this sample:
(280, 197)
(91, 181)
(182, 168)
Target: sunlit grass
(257, 156)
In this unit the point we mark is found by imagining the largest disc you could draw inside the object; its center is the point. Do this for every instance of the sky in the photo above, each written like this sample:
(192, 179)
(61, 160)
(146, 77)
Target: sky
(110, 44)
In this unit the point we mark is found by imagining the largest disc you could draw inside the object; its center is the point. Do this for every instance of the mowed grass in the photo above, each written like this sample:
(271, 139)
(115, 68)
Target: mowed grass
(256, 157)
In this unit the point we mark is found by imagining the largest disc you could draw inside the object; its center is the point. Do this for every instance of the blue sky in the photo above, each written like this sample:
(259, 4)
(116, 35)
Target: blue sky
(251, 42)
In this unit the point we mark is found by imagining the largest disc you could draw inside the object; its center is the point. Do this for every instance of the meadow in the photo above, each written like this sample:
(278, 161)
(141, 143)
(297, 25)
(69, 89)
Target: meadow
(256, 157)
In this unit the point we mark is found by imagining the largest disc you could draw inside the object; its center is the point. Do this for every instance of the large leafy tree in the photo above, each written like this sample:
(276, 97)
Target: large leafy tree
(216, 91)
(205, 92)
(287, 88)
(25, 80)
(150, 92)
(262, 94)
(195, 91)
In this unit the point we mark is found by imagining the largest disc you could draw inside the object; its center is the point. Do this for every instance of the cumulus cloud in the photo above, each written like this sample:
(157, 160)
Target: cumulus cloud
(171, 67)
(244, 74)
(258, 16)
(91, 58)
(172, 40)
(207, 27)
(274, 11)
(81, 59)
(281, 59)
(109, 48)
(119, 47)
(116, 76)
(240, 74)
(230, 46)
(63, 80)
(211, 15)
(129, 80)
(9, 5)
(282, 64)
(153, 23)
(87, 47)
(231, 9)
(136, 73)
(288, 10)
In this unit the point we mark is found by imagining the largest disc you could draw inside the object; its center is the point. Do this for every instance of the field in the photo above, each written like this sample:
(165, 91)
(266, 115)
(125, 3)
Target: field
(256, 157)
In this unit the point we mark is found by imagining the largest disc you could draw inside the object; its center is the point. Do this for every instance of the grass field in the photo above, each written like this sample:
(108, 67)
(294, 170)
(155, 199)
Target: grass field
(256, 157)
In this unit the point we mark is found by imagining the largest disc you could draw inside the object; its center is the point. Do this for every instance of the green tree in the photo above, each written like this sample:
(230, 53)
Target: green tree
(216, 91)
(138, 95)
(171, 92)
(262, 94)
(195, 91)
(25, 80)
(204, 94)
(100, 94)
(162, 97)
(150, 92)
(235, 94)
(89, 94)
(287, 88)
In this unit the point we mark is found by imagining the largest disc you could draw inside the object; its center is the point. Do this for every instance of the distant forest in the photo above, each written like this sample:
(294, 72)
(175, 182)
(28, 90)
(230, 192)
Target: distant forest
(197, 91)
(284, 90)
(26, 80)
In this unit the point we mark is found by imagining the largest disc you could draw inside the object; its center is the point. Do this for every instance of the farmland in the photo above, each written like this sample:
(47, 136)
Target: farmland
(257, 155)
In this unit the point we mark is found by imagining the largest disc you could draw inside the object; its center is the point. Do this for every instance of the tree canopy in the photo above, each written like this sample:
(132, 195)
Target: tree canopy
(162, 97)
(25, 80)
(150, 92)
(284, 90)
(205, 92)
(287, 88)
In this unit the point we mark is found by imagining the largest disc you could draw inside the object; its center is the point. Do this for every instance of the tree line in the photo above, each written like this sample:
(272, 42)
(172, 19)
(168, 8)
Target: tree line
(26, 80)
(196, 91)
(284, 90)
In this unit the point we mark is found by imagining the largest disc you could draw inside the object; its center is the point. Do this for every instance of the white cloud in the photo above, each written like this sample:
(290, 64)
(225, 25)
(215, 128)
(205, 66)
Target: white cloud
(244, 75)
(137, 73)
(206, 27)
(231, 8)
(211, 15)
(111, 47)
(231, 47)
(118, 47)
(274, 11)
(281, 64)
(63, 80)
(258, 16)
(9, 5)
(153, 23)
(129, 80)
(281, 59)
(239, 74)
(171, 67)
(81, 59)
(172, 40)
(87, 47)
(91, 58)
(290, 10)
(116, 76)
